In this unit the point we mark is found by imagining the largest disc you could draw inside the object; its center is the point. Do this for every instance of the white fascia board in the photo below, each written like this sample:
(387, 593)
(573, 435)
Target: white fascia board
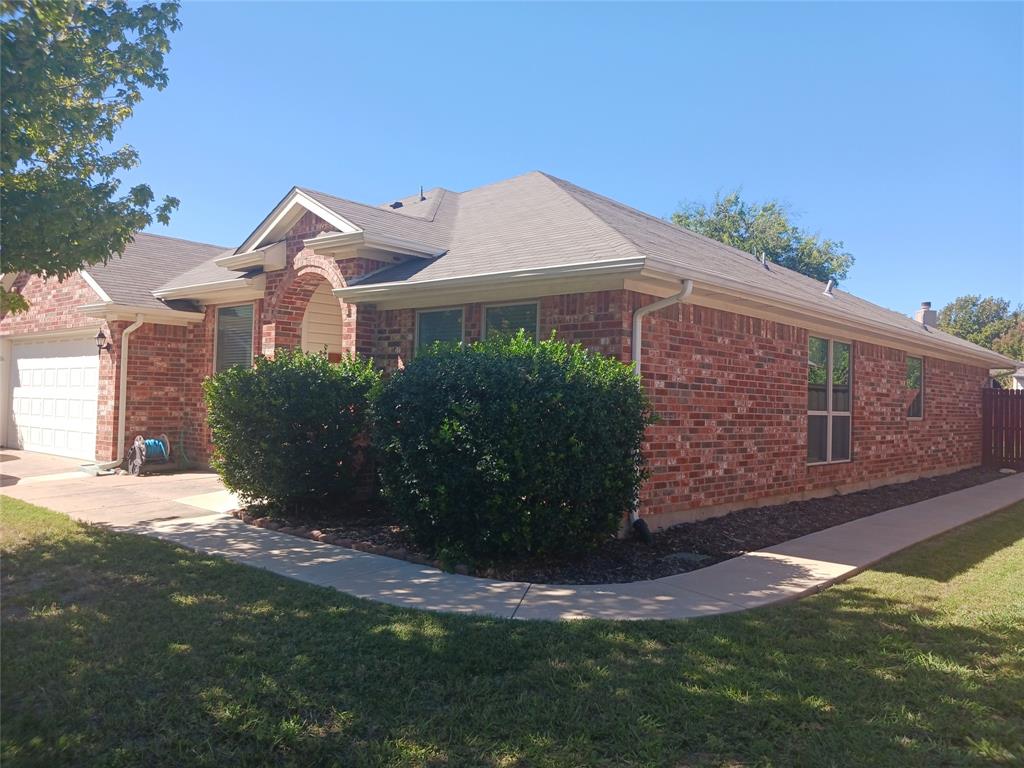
(284, 209)
(91, 282)
(369, 293)
(256, 283)
(795, 312)
(339, 241)
(270, 257)
(115, 311)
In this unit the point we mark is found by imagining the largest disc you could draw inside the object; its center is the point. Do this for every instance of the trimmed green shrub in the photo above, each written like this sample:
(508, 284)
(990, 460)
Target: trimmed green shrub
(511, 448)
(292, 431)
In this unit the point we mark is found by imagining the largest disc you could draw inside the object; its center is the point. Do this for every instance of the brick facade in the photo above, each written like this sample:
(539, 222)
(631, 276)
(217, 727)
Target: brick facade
(730, 390)
(731, 394)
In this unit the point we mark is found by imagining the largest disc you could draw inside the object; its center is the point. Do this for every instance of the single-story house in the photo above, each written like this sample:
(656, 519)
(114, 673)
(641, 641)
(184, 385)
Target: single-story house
(769, 385)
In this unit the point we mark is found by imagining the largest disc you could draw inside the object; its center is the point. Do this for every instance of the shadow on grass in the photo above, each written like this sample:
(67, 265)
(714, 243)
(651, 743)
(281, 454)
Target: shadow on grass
(120, 650)
(932, 560)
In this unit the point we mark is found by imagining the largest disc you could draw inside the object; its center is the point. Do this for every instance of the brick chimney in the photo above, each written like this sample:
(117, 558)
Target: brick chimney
(926, 315)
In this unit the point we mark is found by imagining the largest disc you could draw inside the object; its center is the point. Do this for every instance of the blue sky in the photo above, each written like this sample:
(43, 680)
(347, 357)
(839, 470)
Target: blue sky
(898, 129)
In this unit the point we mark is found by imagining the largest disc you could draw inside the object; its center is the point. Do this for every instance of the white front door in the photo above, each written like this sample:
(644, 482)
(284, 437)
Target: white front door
(53, 397)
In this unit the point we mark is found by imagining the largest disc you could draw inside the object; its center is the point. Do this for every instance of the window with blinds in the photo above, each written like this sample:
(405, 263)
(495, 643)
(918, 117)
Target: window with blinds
(234, 336)
(510, 319)
(444, 325)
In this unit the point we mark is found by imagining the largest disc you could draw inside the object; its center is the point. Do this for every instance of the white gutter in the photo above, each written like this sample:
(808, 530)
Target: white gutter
(357, 293)
(642, 312)
(122, 400)
(637, 352)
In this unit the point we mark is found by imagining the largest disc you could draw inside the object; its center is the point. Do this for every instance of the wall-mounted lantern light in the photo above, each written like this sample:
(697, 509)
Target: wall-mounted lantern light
(101, 342)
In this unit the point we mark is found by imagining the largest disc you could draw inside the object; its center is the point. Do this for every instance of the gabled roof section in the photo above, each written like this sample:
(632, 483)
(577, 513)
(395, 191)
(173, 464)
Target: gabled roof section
(291, 208)
(146, 264)
(527, 222)
(433, 231)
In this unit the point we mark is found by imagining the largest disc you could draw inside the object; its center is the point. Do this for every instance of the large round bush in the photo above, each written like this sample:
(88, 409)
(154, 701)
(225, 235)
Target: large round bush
(292, 430)
(510, 448)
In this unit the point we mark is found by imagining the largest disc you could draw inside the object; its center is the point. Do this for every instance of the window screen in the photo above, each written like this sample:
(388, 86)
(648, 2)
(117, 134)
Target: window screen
(511, 318)
(443, 325)
(234, 336)
(915, 387)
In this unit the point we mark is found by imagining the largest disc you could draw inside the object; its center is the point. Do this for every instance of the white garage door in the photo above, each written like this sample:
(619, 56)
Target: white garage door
(53, 397)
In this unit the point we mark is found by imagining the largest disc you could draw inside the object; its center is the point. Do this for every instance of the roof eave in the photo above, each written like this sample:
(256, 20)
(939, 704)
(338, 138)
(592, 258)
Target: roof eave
(255, 284)
(112, 310)
(974, 354)
(357, 294)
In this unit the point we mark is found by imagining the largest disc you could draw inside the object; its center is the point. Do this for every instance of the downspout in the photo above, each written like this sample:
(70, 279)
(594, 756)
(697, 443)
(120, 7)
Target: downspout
(122, 398)
(639, 526)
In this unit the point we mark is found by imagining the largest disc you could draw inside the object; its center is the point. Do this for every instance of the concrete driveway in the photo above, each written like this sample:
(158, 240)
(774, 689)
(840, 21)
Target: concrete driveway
(120, 501)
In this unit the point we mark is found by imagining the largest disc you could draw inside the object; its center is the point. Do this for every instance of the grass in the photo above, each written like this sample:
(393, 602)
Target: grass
(120, 650)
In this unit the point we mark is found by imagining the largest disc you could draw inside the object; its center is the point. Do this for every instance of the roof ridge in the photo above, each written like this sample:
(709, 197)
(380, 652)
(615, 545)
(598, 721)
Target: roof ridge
(730, 250)
(556, 182)
(370, 207)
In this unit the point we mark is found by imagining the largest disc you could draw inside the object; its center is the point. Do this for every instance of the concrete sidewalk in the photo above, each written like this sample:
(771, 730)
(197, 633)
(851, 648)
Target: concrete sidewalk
(178, 508)
(776, 574)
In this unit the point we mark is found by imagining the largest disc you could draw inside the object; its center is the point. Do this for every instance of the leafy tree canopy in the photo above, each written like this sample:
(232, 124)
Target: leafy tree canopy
(989, 322)
(766, 228)
(72, 72)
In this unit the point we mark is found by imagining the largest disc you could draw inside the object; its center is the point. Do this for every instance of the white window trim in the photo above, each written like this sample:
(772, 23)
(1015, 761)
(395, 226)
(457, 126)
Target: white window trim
(216, 331)
(492, 305)
(416, 337)
(830, 412)
(921, 358)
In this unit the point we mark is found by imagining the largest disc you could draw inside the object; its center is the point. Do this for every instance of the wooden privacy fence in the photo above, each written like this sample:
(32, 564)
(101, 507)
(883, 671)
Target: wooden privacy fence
(1002, 431)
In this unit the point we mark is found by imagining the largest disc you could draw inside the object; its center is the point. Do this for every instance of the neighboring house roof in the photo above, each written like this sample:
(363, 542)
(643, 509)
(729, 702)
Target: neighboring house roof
(147, 263)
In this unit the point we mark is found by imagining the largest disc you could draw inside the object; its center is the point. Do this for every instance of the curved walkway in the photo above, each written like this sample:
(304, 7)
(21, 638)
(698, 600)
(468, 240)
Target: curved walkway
(775, 574)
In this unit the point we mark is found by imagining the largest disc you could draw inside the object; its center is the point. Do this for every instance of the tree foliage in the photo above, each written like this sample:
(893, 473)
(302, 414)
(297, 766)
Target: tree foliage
(72, 72)
(989, 322)
(766, 228)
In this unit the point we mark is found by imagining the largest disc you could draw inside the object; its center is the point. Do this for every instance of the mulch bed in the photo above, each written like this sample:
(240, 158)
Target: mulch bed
(684, 547)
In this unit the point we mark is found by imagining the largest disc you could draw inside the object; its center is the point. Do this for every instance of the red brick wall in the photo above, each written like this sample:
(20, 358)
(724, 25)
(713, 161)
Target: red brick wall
(53, 306)
(595, 320)
(731, 394)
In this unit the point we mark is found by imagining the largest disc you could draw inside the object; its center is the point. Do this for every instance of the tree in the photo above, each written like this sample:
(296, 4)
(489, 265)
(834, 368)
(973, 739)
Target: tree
(988, 322)
(766, 228)
(72, 72)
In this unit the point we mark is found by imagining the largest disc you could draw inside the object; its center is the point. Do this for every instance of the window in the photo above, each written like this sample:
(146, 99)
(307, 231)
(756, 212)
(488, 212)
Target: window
(511, 318)
(915, 387)
(234, 337)
(828, 401)
(438, 325)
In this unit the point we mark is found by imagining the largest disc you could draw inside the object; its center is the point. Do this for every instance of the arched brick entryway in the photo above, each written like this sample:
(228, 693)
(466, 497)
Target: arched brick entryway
(288, 296)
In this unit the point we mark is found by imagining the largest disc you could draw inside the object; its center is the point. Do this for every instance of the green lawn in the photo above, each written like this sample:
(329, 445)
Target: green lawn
(121, 650)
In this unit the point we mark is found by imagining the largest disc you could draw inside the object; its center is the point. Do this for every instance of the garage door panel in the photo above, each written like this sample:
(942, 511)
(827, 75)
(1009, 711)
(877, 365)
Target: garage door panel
(53, 397)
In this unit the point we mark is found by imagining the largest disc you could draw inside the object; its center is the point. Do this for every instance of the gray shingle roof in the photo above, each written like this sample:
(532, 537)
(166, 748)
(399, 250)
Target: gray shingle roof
(374, 221)
(204, 272)
(147, 263)
(527, 222)
(536, 220)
